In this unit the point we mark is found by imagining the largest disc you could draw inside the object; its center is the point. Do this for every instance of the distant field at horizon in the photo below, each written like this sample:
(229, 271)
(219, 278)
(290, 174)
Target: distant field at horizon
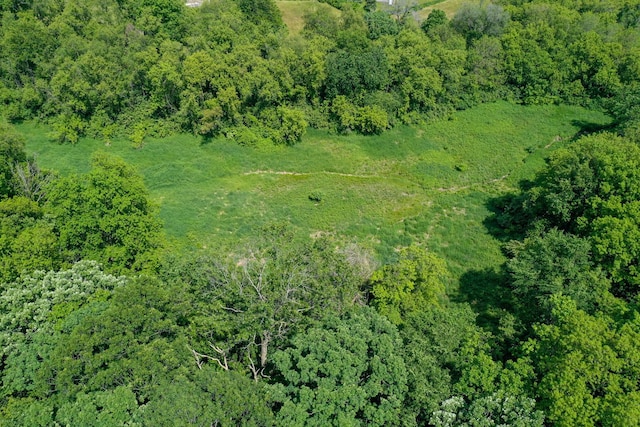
(293, 11)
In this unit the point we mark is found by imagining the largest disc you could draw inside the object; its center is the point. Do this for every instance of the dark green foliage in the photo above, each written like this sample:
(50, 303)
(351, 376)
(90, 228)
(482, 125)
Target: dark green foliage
(276, 332)
(209, 397)
(88, 346)
(11, 153)
(26, 44)
(154, 67)
(529, 67)
(101, 408)
(591, 189)
(579, 181)
(345, 371)
(474, 21)
(629, 14)
(246, 306)
(335, 3)
(370, 5)
(436, 18)
(316, 196)
(261, 12)
(31, 308)
(14, 5)
(584, 211)
(595, 65)
(159, 17)
(625, 108)
(133, 340)
(485, 69)
(380, 24)
(436, 342)
(554, 263)
(350, 73)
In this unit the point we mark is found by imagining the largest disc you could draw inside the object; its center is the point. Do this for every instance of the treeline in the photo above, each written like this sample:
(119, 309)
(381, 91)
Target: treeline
(152, 67)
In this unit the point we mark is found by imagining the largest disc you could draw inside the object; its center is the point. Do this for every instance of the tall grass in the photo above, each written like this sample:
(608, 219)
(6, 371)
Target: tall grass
(294, 11)
(450, 7)
(428, 185)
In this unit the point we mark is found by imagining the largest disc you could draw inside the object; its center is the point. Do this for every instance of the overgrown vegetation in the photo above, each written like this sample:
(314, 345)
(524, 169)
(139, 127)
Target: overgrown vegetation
(404, 263)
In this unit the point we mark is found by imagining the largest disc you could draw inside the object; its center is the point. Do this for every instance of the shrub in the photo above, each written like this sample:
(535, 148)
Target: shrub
(371, 120)
(316, 196)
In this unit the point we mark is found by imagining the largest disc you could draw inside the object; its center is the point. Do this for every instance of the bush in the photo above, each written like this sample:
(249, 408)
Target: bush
(371, 120)
(368, 120)
(67, 128)
(316, 196)
(380, 24)
(292, 125)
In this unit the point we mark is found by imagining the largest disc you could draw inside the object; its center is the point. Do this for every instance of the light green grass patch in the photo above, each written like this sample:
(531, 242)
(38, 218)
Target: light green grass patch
(294, 11)
(450, 7)
(428, 184)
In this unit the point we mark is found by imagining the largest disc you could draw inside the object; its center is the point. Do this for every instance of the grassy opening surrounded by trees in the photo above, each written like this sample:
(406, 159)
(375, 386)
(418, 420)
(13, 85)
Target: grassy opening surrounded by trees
(425, 184)
(338, 212)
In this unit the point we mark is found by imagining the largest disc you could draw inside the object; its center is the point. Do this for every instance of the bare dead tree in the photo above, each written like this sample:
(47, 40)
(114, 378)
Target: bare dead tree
(31, 181)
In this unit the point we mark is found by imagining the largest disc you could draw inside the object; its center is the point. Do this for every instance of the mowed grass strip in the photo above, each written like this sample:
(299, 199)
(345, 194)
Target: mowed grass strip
(427, 184)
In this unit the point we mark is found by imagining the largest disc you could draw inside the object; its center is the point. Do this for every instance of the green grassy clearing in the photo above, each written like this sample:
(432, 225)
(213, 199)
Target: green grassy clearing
(450, 7)
(293, 12)
(426, 184)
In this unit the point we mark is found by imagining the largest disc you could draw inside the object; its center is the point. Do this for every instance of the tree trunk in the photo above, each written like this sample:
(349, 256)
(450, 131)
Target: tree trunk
(264, 347)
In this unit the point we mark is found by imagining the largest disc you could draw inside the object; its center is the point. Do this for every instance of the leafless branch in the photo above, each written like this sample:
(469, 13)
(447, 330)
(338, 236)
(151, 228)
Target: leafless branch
(30, 180)
(199, 357)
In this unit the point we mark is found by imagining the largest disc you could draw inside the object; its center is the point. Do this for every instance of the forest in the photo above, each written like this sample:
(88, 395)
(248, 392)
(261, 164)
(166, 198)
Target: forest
(320, 213)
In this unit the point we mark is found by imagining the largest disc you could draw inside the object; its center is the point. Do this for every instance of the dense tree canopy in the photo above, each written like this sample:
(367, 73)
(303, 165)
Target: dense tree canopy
(106, 215)
(154, 67)
(347, 371)
(102, 322)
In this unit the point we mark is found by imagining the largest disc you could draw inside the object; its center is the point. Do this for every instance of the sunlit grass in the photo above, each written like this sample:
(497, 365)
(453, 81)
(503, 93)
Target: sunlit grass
(450, 7)
(427, 185)
(294, 11)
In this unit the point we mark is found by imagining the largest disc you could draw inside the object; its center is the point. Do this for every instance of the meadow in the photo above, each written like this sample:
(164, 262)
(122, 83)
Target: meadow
(450, 7)
(428, 184)
(293, 11)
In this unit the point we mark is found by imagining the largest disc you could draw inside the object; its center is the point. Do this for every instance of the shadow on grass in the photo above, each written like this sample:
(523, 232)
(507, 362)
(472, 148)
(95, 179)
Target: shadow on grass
(588, 128)
(487, 290)
(487, 293)
(509, 219)
(206, 139)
